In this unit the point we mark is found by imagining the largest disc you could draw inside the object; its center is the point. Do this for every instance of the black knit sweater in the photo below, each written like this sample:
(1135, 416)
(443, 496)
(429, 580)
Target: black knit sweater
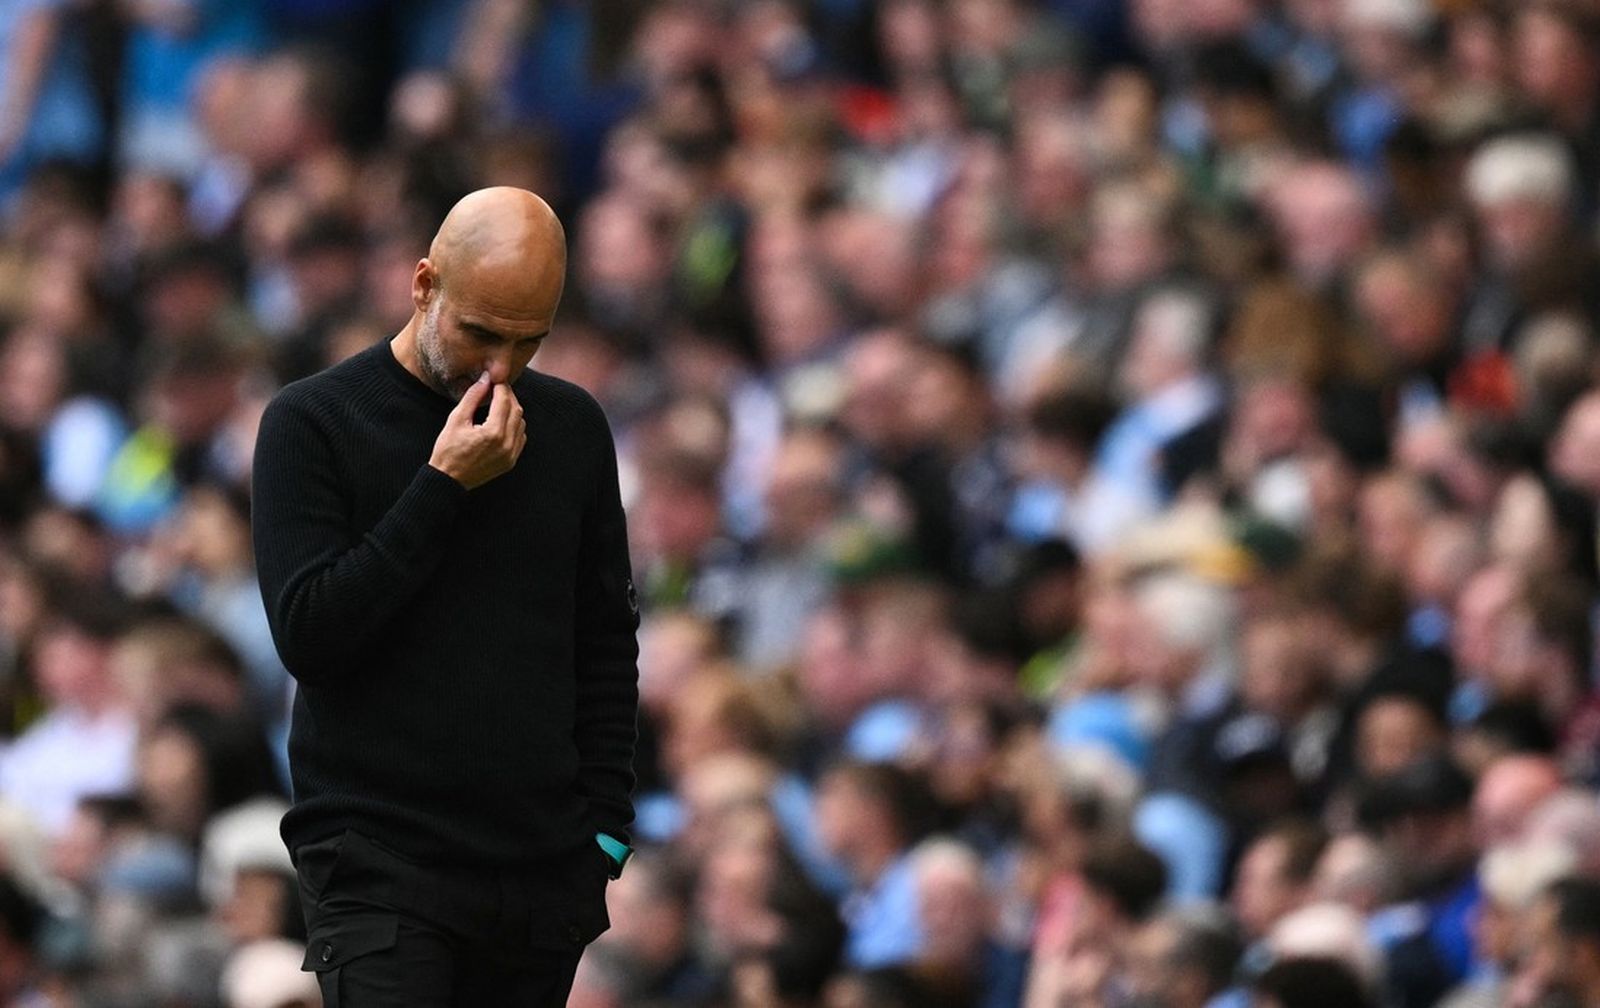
(467, 660)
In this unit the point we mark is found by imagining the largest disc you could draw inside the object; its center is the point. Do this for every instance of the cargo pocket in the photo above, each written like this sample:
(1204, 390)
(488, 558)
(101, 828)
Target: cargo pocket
(316, 863)
(336, 942)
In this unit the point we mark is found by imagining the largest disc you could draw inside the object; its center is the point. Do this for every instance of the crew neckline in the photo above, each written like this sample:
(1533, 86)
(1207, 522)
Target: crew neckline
(409, 383)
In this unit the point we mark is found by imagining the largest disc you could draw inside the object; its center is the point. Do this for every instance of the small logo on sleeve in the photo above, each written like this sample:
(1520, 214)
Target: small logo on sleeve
(633, 598)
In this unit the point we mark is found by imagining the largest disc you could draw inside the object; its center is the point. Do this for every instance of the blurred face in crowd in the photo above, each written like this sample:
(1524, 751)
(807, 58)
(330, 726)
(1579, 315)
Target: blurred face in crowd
(1278, 676)
(1575, 452)
(1498, 933)
(731, 898)
(952, 908)
(277, 101)
(1526, 665)
(677, 515)
(700, 721)
(647, 920)
(1446, 554)
(78, 852)
(1407, 312)
(1393, 732)
(59, 299)
(964, 751)
(852, 824)
(1477, 48)
(1169, 336)
(32, 379)
(1316, 17)
(149, 211)
(212, 536)
(71, 667)
(1522, 531)
(879, 371)
(797, 314)
(1263, 892)
(1155, 972)
(1508, 793)
(802, 496)
(1557, 965)
(1130, 242)
(1480, 611)
(1392, 512)
(1354, 871)
(1431, 848)
(877, 258)
(673, 646)
(832, 678)
(1052, 178)
(257, 908)
(717, 789)
(1161, 25)
(172, 781)
(910, 35)
(1323, 219)
(1519, 232)
(1554, 65)
(620, 256)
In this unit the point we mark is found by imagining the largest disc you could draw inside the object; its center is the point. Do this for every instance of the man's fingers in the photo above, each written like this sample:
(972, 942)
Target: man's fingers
(470, 400)
(516, 429)
(500, 408)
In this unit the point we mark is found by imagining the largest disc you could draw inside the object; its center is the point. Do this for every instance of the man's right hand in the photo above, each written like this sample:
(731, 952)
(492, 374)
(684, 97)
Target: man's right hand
(473, 454)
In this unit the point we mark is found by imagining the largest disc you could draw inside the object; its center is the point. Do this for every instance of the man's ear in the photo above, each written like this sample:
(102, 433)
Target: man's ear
(424, 285)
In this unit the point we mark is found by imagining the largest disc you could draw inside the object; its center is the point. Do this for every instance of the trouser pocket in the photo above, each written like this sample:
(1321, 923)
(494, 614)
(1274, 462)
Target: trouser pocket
(335, 942)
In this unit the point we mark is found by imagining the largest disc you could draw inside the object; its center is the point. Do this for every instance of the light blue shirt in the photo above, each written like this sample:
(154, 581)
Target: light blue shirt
(65, 119)
(882, 922)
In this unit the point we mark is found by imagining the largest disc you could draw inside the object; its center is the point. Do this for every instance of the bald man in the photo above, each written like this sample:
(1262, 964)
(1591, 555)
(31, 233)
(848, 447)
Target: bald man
(1509, 792)
(443, 555)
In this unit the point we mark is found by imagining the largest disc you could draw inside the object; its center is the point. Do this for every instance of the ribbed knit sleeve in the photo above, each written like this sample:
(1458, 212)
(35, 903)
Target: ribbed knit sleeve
(607, 649)
(329, 592)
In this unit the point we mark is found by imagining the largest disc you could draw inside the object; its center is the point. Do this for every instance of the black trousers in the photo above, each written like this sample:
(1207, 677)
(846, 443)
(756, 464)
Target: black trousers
(387, 932)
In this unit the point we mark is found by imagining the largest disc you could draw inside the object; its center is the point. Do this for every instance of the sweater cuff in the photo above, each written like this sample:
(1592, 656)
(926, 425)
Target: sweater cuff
(439, 482)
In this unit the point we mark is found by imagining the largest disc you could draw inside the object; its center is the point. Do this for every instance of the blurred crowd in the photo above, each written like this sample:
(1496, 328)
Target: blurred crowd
(1113, 483)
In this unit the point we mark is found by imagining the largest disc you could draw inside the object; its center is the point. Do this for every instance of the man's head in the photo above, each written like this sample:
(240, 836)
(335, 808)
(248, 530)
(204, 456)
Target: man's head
(1575, 451)
(1123, 885)
(1325, 220)
(952, 904)
(1508, 793)
(1275, 874)
(867, 813)
(1564, 947)
(1520, 187)
(1422, 813)
(486, 294)
(1514, 877)
(1354, 871)
(1182, 958)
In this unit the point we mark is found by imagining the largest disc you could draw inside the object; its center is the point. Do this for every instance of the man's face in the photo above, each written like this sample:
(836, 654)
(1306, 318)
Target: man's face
(1151, 975)
(839, 810)
(1263, 893)
(459, 339)
(1546, 956)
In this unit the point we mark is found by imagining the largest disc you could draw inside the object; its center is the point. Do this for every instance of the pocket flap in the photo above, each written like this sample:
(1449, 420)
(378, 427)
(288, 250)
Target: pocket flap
(337, 940)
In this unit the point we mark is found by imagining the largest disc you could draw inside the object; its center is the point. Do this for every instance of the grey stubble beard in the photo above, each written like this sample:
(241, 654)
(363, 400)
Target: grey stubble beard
(430, 356)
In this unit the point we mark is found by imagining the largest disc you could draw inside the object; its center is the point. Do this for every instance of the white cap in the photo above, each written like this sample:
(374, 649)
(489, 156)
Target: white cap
(1529, 166)
(245, 836)
(1411, 18)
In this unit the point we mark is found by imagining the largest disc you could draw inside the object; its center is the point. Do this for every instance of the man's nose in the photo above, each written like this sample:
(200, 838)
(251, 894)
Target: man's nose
(498, 364)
